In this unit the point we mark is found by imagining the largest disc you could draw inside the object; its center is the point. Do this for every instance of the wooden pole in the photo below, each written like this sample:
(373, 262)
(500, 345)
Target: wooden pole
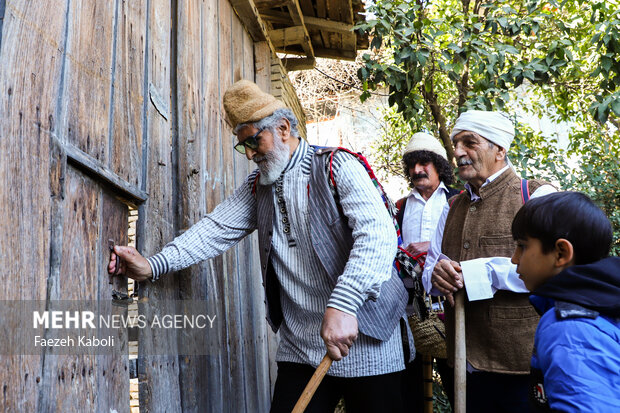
(312, 385)
(460, 360)
(427, 369)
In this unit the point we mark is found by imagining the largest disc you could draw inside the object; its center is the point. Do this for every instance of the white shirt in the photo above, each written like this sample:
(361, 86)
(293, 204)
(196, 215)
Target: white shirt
(482, 276)
(421, 216)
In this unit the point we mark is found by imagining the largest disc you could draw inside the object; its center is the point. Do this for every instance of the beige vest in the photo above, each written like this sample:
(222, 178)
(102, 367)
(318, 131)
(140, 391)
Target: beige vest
(499, 331)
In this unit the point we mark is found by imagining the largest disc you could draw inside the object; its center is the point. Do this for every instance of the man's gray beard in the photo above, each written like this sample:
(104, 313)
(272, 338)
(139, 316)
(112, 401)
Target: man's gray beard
(274, 161)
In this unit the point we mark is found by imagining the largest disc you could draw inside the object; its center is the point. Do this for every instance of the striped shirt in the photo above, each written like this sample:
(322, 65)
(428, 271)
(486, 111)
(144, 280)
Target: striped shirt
(305, 288)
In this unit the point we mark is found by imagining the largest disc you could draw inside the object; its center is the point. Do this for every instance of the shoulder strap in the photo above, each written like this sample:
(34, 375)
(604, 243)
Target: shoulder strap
(525, 190)
(389, 205)
(254, 184)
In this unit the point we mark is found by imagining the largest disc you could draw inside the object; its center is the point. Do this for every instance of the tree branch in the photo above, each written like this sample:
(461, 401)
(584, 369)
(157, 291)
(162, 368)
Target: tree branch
(462, 86)
(440, 120)
(465, 6)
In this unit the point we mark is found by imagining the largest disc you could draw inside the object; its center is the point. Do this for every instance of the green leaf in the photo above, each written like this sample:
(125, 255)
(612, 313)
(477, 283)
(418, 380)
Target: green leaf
(602, 113)
(428, 85)
(615, 106)
(456, 48)
(511, 49)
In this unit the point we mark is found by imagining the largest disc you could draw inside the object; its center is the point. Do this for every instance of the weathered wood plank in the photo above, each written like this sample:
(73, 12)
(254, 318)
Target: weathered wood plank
(250, 17)
(223, 285)
(281, 38)
(128, 97)
(301, 63)
(266, 342)
(70, 381)
(233, 56)
(88, 75)
(112, 371)
(247, 275)
(104, 174)
(321, 13)
(31, 49)
(270, 4)
(298, 18)
(312, 23)
(2, 10)
(262, 64)
(195, 371)
(158, 374)
(334, 13)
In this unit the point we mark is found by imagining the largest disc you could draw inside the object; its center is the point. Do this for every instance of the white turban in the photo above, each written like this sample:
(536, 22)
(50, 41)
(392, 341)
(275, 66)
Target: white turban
(493, 126)
(421, 141)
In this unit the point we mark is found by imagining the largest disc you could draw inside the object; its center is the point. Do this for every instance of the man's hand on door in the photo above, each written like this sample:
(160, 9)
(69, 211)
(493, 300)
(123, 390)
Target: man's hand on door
(131, 263)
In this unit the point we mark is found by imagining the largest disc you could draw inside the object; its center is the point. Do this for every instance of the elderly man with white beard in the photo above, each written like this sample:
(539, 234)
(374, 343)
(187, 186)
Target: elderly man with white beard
(326, 255)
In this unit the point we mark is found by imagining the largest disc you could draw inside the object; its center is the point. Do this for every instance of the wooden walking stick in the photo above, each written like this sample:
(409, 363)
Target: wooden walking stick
(460, 360)
(312, 385)
(427, 370)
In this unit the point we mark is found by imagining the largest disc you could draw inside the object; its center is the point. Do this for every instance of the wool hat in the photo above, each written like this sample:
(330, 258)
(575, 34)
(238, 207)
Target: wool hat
(244, 102)
(421, 141)
(492, 126)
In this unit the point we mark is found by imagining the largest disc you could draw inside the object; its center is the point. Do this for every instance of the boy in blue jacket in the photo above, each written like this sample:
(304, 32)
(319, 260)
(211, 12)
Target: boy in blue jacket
(563, 242)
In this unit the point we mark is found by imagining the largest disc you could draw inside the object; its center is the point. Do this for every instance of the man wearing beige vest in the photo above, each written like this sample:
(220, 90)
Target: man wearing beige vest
(472, 247)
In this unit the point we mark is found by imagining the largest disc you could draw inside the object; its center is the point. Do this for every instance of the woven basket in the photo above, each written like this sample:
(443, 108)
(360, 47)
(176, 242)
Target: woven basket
(429, 334)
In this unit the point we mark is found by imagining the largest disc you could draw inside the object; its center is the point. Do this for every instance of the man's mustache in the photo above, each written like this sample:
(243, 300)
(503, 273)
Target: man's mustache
(463, 162)
(419, 176)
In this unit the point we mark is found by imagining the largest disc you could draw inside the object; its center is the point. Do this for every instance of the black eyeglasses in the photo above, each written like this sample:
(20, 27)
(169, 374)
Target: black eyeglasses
(251, 142)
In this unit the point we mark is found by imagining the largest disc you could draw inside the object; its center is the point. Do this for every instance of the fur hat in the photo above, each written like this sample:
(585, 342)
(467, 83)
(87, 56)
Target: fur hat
(421, 141)
(244, 102)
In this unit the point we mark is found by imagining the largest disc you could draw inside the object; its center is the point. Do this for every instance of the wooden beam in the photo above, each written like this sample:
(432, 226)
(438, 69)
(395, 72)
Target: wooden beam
(287, 36)
(335, 53)
(250, 17)
(298, 17)
(314, 23)
(303, 63)
(102, 173)
(322, 52)
(270, 4)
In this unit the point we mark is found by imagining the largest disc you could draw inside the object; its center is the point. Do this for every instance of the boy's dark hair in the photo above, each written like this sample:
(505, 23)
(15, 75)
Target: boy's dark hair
(444, 170)
(569, 215)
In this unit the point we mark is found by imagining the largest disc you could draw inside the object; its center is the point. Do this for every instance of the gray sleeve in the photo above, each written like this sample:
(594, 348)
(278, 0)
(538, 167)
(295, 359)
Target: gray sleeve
(220, 230)
(374, 236)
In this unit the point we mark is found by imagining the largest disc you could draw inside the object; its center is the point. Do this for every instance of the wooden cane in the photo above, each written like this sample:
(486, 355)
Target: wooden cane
(427, 370)
(460, 360)
(312, 385)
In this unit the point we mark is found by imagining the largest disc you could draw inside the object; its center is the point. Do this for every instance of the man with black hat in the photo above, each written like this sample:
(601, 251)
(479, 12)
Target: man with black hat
(326, 264)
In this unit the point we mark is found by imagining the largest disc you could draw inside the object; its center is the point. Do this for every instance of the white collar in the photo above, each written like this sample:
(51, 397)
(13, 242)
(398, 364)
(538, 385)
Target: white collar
(490, 179)
(414, 192)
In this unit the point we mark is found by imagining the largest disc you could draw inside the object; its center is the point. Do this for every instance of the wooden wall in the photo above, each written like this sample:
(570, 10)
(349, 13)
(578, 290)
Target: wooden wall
(109, 103)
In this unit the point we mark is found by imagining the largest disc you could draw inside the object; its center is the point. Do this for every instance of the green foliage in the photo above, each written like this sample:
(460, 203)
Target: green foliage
(595, 170)
(456, 54)
(557, 60)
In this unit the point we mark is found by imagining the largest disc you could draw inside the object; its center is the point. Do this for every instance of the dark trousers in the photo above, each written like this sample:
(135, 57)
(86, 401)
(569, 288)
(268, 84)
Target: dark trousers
(361, 394)
(497, 393)
(413, 383)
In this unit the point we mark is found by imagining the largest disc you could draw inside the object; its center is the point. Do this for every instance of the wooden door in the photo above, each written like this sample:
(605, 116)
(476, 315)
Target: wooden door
(72, 119)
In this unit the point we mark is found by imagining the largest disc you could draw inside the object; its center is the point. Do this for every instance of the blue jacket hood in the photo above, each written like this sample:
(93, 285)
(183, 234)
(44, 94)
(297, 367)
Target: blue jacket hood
(595, 286)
